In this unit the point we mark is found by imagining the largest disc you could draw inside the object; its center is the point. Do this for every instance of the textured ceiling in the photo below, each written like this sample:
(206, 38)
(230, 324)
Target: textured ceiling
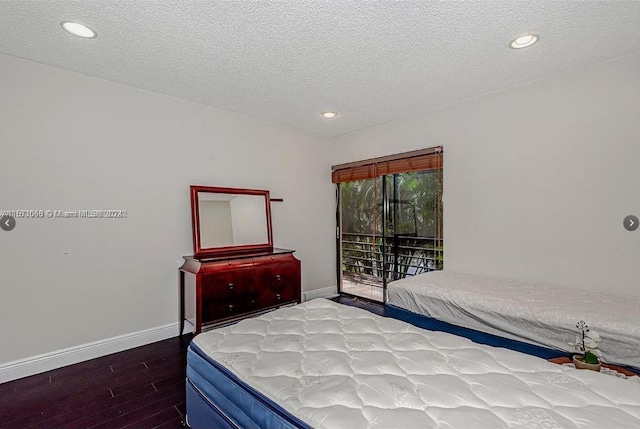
(286, 61)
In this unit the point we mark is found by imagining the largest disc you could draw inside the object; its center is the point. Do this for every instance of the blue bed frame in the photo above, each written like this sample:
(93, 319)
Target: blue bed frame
(216, 398)
(432, 324)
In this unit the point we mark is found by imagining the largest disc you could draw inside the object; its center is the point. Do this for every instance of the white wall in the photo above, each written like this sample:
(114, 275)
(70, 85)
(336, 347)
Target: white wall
(249, 220)
(216, 228)
(537, 178)
(69, 141)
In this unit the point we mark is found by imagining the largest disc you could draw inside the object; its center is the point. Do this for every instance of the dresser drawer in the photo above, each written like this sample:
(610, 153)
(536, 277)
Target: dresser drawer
(269, 297)
(222, 266)
(228, 284)
(225, 308)
(277, 276)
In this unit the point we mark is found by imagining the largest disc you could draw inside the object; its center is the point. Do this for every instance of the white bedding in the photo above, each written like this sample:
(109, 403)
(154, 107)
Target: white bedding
(335, 366)
(534, 313)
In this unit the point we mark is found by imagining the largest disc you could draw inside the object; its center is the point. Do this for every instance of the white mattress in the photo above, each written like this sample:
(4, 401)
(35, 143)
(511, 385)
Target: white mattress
(335, 366)
(534, 313)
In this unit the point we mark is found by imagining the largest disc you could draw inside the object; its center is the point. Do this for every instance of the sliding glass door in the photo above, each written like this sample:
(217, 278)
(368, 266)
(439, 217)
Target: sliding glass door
(361, 219)
(414, 227)
(389, 227)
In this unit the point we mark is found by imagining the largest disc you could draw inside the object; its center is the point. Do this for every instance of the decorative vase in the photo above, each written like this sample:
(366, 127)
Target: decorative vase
(579, 362)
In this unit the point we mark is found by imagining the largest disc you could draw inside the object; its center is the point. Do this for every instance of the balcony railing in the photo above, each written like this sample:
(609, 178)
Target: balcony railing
(362, 256)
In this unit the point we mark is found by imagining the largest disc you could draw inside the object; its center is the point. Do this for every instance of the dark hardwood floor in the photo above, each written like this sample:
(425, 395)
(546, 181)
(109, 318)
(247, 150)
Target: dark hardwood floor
(138, 388)
(364, 303)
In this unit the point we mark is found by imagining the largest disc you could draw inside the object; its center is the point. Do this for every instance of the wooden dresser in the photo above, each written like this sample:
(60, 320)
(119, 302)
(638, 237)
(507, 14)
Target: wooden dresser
(222, 289)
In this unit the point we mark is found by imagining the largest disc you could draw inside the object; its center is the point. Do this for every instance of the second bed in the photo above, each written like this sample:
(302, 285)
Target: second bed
(533, 313)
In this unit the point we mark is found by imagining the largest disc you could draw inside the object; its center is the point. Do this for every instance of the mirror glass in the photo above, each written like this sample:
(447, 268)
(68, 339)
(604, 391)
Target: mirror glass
(231, 219)
(227, 220)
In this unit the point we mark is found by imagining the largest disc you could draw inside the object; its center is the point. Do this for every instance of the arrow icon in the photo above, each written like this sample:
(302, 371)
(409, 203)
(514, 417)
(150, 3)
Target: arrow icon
(7, 223)
(630, 223)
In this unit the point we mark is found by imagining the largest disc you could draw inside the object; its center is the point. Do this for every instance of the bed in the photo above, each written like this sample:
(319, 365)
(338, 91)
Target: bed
(538, 314)
(326, 365)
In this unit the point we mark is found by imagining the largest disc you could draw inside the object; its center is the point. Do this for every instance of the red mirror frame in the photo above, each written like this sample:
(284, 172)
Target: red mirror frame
(200, 252)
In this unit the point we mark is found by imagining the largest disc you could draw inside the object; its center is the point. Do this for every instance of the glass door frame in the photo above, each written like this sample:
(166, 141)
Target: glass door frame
(391, 233)
(385, 216)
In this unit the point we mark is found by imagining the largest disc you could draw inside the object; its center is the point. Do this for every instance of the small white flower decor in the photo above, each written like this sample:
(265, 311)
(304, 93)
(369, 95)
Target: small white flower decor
(587, 344)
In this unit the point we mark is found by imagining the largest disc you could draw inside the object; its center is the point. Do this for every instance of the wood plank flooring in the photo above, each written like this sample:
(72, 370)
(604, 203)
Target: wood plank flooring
(138, 388)
(366, 304)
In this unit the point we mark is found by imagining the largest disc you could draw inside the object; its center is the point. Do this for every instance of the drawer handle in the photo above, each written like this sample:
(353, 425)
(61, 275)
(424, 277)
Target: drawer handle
(278, 296)
(230, 286)
(230, 307)
(278, 277)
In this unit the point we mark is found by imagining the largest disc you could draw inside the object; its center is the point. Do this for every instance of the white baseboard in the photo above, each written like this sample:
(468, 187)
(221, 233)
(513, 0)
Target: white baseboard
(325, 292)
(48, 361)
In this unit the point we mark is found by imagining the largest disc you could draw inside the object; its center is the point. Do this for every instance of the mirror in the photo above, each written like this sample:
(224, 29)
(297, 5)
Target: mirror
(229, 220)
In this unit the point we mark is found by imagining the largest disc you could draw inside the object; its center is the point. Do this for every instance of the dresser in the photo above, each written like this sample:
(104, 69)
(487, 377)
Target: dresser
(222, 289)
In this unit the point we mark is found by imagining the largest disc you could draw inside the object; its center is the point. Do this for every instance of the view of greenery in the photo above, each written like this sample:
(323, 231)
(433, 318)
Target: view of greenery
(413, 231)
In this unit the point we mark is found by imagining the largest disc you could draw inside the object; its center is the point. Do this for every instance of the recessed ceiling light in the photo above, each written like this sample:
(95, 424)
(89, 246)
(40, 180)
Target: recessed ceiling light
(79, 30)
(524, 41)
(329, 115)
